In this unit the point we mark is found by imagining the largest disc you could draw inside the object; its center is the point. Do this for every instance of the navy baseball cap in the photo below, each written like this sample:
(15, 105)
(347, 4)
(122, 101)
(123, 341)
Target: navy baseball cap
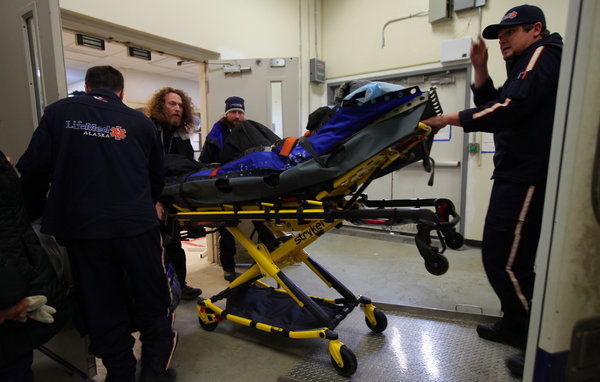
(234, 103)
(522, 14)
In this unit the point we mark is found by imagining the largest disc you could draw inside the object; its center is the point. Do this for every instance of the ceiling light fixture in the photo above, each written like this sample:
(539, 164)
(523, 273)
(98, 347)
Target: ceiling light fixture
(139, 53)
(89, 41)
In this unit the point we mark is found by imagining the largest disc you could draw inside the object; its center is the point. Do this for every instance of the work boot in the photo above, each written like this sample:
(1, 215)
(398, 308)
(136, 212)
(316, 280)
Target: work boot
(230, 275)
(189, 293)
(169, 375)
(497, 332)
(516, 363)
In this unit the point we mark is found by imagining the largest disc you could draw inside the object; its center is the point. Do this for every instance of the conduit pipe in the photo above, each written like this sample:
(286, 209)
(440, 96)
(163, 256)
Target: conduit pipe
(422, 13)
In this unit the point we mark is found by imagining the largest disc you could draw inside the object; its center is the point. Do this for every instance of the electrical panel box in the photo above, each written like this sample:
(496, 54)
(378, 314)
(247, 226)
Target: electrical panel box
(455, 50)
(463, 5)
(317, 70)
(440, 10)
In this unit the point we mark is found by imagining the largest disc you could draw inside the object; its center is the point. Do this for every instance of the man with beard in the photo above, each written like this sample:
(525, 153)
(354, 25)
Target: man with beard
(520, 114)
(172, 113)
(212, 152)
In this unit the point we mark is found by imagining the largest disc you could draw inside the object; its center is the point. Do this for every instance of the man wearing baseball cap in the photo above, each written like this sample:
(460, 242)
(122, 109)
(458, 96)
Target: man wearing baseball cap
(520, 114)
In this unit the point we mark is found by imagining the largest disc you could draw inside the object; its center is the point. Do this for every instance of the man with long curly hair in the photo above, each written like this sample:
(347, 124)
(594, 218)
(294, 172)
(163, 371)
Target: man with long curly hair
(171, 111)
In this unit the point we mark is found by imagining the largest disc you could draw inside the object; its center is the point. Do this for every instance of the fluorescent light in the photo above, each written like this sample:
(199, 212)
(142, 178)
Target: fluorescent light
(89, 41)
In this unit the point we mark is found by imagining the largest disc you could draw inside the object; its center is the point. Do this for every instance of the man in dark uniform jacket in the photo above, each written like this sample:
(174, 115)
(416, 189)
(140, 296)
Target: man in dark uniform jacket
(171, 111)
(520, 114)
(103, 163)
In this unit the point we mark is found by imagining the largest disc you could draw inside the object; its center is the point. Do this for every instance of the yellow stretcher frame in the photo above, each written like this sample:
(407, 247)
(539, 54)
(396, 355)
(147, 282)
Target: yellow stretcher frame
(301, 222)
(269, 264)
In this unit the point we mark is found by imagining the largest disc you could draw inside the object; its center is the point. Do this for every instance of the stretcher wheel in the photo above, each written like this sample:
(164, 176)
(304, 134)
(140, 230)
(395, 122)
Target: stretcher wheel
(349, 360)
(208, 327)
(454, 240)
(380, 321)
(437, 267)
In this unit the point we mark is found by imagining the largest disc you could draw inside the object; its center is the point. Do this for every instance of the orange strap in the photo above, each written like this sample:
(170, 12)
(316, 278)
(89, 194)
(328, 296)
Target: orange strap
(288, 145)
(212, 174)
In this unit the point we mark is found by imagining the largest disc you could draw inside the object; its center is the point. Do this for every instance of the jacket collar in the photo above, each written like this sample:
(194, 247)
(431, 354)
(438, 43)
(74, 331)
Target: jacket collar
(553, 39)
(104, 93)
(178, 133)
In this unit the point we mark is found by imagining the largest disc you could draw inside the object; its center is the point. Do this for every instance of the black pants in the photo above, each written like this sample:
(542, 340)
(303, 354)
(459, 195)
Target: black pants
(123, 288)
(510, 239)
(175, 254)
(18, 370)
(227, 244)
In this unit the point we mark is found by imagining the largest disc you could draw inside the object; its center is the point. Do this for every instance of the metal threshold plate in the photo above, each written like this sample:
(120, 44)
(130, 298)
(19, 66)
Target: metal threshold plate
(418, 345)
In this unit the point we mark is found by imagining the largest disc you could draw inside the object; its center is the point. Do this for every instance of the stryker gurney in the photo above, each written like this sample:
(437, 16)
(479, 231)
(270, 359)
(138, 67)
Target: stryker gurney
(304, 188)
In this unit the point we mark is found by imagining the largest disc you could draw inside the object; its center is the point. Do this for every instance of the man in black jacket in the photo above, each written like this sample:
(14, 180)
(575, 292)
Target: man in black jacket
(171, 111)
(213, 151)
(520, 114)
(103, 164)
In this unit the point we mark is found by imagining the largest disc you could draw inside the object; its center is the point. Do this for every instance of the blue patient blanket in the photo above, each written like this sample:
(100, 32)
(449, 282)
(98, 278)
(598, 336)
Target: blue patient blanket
(360, 129)
(359, 109)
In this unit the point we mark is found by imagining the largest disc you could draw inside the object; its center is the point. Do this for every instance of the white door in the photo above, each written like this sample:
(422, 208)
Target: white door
(447, 151)
(269, 86)
(33, 72)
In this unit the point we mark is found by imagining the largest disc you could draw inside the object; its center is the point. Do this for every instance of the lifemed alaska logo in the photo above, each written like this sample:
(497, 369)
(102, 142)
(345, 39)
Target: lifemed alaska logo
(93, 130)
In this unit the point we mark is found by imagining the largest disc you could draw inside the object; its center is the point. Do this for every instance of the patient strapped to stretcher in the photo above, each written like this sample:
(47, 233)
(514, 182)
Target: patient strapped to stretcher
(303, 188)
(362, 127)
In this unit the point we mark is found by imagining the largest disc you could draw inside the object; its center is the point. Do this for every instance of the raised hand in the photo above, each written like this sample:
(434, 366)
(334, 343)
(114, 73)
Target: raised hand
(479, 53)
(479, 58)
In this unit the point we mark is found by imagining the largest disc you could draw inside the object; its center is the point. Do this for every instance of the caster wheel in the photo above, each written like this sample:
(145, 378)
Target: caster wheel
(439, 267)
(349, 360)
(380, 321)
(207, 314)
(208, 327)
(454, 240)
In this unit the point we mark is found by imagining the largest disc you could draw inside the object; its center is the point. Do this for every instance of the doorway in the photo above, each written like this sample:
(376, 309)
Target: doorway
(448, 149)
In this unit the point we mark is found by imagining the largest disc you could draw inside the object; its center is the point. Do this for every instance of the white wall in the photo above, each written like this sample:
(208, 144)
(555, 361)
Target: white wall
(139, 87)
(235, 28)
(352, 33)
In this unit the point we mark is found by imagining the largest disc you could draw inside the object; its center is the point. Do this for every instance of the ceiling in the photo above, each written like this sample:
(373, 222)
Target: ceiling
(79, 58)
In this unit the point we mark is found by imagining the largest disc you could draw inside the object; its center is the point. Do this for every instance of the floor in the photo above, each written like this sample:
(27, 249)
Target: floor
(379, 265)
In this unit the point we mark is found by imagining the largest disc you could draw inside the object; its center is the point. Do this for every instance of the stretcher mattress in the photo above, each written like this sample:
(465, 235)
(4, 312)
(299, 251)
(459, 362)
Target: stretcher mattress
(357, 132)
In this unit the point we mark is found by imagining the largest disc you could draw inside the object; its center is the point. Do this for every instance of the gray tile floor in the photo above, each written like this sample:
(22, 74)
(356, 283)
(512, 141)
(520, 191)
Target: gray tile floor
(386, 268)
